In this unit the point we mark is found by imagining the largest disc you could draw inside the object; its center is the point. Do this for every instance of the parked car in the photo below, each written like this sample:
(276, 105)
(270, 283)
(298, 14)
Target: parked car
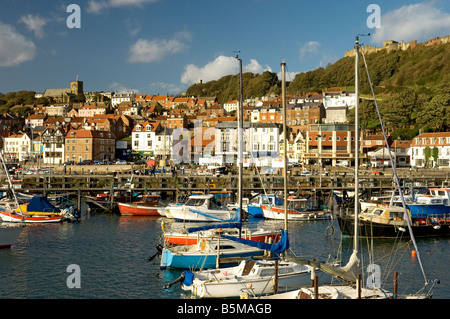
(69, 163)
(121, 162)
(85, 162)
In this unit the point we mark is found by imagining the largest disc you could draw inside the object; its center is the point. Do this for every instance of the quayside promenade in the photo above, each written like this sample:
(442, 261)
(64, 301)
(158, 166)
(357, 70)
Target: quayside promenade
(91, 179)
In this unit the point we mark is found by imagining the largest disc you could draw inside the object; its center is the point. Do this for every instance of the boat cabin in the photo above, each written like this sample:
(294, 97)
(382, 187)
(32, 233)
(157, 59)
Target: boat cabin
(388, 215)
(266, 200)
(207, 201)
(297, 203)
(148, 200)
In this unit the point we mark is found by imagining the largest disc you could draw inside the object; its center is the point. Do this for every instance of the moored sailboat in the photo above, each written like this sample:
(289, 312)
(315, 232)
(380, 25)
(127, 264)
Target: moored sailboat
(296, 210)
(201, 208)
(37, 210)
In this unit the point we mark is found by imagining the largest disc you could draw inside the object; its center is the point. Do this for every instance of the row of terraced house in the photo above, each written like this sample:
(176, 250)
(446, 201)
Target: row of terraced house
(192, 128)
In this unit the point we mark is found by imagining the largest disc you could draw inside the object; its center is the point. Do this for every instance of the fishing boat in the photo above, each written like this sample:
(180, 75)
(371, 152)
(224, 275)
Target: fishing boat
(436, 203)
(296, 211)
(383, 221)
(148, 205)
(9, 234)
(201, 208)
(254, 207)
(251, 277)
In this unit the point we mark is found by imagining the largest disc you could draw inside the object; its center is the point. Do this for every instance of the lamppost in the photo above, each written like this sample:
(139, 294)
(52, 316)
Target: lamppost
(319, 138)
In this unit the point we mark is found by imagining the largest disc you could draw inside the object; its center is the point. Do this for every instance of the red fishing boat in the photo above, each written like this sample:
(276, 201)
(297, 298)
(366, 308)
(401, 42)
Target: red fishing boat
(147, 206)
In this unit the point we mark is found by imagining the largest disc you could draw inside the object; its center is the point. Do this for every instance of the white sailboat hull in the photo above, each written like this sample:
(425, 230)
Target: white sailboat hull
(277, 213)
(188, 214)
(230, 282)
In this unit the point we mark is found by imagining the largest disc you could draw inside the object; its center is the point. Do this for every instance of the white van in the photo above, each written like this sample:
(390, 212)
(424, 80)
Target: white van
(342, 163)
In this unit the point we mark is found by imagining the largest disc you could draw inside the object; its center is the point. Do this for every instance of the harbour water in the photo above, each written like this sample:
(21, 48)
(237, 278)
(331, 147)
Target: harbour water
(111, 252)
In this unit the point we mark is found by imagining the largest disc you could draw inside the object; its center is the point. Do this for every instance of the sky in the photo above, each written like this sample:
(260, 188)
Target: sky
(164, 46)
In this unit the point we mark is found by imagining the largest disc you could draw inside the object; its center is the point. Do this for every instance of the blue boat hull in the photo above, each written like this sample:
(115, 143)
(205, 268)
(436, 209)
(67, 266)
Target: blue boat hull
(255, 211)
(201, 260)
(425, 210)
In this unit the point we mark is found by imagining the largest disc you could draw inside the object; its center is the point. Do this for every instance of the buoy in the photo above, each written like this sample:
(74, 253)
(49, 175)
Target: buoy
(249, 286)
(413, 253)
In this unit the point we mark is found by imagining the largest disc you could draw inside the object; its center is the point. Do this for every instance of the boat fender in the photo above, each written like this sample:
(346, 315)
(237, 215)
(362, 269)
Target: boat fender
(244, 295)
(159, 249)
(203, 244)
(162, 226)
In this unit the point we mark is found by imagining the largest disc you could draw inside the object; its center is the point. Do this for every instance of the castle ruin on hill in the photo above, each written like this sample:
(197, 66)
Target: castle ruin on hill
(392, 45)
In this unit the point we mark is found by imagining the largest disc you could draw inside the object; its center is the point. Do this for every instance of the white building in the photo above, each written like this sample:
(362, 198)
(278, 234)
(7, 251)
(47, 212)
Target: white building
(143, 138)
(260, 140)
(17, 147)
(231, 106)
(430, 150)
(342, 98)
(163, 144)
(122, 97)
(53, 146)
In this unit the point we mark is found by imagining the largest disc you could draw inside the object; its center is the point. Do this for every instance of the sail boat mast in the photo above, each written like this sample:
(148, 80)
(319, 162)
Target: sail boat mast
(240, 132)
(355, 238)
(283, 93)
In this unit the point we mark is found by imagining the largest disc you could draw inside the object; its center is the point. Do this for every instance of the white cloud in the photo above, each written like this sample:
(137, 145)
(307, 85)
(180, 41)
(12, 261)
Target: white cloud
(421, 21)
(290, 76)
(221, 66)
(155, 50)
(309, 48)
(14, 47)
(255, 67)
(35, 24)
(97, 6)
(119, 88)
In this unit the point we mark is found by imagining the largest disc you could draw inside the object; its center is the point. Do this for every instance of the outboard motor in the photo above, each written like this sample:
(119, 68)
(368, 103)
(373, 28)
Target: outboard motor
(159, 249)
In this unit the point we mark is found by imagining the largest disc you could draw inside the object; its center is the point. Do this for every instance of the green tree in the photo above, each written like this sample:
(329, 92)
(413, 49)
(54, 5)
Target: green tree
(427, 154)
(435, 154)
(399, 110)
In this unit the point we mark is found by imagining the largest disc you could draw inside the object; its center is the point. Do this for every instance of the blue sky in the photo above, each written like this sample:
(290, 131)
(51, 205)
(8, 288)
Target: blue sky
(163, 46)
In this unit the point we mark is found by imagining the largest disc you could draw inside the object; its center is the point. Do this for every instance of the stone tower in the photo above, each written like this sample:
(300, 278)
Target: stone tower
(76, 87)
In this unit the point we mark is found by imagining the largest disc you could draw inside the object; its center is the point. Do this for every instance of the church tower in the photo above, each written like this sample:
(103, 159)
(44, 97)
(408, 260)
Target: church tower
(76, 87)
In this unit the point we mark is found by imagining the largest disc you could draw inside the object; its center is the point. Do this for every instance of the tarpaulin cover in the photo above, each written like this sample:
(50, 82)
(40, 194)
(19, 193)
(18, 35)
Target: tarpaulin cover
(41, 204)
(281, 246)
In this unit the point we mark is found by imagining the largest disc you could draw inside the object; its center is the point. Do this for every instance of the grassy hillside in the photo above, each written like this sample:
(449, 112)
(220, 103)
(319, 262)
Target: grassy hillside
(422, 69)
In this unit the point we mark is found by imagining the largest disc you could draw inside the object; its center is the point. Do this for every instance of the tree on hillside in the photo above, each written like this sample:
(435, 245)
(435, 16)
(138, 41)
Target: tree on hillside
(399, 110)
(368, 116)
(435, 113)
